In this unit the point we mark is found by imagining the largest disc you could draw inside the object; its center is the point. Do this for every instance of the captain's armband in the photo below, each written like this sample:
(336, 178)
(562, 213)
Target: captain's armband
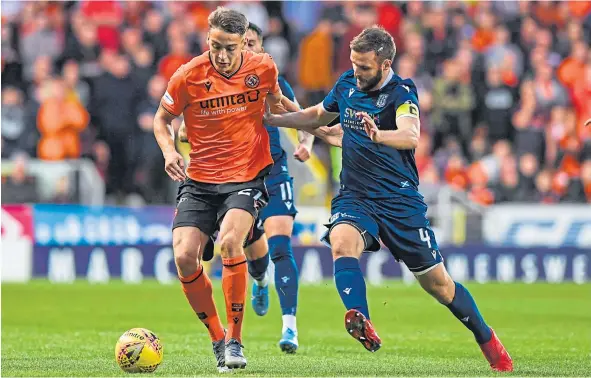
(408, 109)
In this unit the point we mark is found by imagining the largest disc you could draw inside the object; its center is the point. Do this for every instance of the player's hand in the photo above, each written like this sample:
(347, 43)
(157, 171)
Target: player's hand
(370, 127)
(303, 152)
(174, 165)
(268, 116)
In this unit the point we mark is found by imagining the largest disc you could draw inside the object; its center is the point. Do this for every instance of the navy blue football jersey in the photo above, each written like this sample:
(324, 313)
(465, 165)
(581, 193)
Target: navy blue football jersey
(274, 134)
(373, 170)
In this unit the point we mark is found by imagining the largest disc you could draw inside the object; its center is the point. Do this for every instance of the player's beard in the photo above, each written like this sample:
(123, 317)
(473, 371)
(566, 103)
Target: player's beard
(367, 85)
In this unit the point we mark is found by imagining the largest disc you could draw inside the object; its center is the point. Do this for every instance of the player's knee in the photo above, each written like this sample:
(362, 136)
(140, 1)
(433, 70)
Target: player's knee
(186, 262)
(185, 256)
(344, 248)
(231, 245)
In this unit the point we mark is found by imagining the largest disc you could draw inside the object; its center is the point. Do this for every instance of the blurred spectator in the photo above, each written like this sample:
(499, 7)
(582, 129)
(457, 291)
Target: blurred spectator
(75, 87)
(131, 40)
(441, 42)
(414, 44)
(529, 121)
(572, 67)
(479, 192)
(11, 67)
(115, 100)
(501, 52)
(151, 183)
(303, 15)
(143, 68)
(315, 64)
(390, 18)
(497, 102)
(276, 45)
(572, 33)
(452, 106)
(527, 169)
(456, 173)
(42, 40)
(19, 187)
(179, 55)
(544, 192)
(154, 33)
(17, 134)
(527, 34)
(581, 97)
(83, 47)
(485, 33)
(60, 120)
(107, 15)
(254, 11)
(506, 189)
(360, 16)
(548, 91)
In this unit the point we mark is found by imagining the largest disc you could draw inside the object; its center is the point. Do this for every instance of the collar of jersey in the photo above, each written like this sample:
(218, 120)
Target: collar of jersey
(233, 73)
(388, 78)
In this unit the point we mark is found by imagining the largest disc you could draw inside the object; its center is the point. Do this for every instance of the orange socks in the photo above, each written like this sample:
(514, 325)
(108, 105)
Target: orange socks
(234, 281)
(198, 290)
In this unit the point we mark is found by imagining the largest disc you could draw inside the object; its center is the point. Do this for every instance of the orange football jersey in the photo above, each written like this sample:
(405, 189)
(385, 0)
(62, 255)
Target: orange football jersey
(224, 116)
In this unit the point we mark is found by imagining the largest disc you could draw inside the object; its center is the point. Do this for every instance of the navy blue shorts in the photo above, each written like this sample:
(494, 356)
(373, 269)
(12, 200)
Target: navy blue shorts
(281, 202)
(400, 224)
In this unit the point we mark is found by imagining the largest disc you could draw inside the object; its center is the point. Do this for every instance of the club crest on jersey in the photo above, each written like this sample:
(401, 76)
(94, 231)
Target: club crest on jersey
(252, 81)
(208, 85)
(351, 91)
(381, 102)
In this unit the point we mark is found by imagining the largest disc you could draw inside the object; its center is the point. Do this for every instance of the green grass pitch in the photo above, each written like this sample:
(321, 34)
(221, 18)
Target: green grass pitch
(71, 330)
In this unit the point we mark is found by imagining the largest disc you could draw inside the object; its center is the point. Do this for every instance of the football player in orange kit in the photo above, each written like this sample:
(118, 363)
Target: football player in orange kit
(221, 95)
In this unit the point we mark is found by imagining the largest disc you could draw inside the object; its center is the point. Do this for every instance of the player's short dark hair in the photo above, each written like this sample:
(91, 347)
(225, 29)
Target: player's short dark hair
(255, 28)
(375, 39)
(228, 20)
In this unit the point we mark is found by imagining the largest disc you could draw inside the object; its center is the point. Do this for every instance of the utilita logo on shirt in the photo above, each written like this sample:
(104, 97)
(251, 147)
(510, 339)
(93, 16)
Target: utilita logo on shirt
(230, 100)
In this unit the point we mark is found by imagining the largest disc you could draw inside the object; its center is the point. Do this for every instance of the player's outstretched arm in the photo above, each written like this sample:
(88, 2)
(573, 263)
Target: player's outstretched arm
(405, 138)
(164, 133)
(307, 119)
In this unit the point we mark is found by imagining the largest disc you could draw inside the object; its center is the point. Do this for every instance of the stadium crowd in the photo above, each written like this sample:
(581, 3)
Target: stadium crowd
(504, 87)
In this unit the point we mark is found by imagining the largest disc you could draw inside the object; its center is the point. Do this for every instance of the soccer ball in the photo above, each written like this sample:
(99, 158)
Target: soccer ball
(138, 351)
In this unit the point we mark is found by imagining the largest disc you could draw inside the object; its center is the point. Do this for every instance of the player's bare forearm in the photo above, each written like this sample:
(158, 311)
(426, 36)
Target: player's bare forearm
(405, 138)
(306, 120)
(332, 135)
(163, 130)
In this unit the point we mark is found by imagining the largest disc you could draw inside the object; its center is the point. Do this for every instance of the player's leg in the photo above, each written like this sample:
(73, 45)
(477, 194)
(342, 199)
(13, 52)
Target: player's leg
(236, 216)
(353, 230)
(460, 302)
(187, 245)
(195, 217)
(278, 217)
(233, 232)
(257, 256)
(412, 240)
(278, 229)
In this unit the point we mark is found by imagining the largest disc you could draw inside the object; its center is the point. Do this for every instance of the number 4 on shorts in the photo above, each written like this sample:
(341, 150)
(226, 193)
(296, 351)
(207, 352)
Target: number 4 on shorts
(424, 235)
